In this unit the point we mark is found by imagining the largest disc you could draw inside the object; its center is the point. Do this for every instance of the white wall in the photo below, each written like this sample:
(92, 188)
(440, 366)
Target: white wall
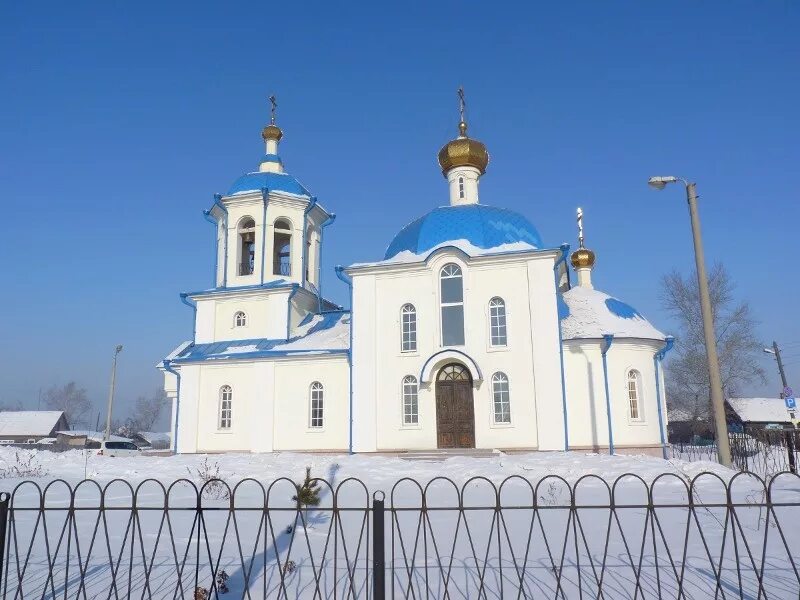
(526, 285)
(586, 399)
(271, 405)
(266, 312)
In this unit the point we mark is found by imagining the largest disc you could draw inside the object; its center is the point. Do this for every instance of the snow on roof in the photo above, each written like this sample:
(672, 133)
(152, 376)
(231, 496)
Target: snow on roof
(760, 410)
(592, 314)
(28, 422)
(155, 436)
(471, 250)
(326, 333)
(95, 436)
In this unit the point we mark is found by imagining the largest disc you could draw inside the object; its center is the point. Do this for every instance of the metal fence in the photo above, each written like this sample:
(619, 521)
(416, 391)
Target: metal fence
(671, 537)
(764, 451)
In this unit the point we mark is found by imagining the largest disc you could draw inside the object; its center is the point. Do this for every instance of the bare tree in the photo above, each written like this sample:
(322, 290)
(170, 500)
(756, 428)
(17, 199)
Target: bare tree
(71, 399)
(11, 406)
(738, 348)
(147, 410)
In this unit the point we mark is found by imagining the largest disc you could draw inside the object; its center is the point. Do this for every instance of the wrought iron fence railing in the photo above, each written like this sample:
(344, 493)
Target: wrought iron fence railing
(672, 537)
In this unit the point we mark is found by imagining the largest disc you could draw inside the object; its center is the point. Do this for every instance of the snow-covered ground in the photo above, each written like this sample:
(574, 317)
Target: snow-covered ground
(495, 526)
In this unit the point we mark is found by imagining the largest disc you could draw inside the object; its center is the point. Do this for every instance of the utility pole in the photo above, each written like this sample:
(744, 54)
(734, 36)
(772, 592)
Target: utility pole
(107, 434)
(777, 352)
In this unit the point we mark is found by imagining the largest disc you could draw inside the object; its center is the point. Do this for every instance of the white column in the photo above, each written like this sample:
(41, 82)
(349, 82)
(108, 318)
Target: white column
(463, 183)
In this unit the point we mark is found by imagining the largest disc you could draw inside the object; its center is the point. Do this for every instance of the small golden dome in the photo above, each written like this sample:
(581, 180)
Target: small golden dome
(582, 258)
(463, 152)
(272, 132)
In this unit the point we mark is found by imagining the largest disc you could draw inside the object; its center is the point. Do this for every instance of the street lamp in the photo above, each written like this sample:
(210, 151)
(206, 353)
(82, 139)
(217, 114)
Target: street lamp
(107, 434)
(717, 399)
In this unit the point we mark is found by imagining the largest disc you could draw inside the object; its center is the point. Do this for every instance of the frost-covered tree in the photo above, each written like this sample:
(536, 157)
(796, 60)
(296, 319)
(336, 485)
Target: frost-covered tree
(71, 399)
(147, 410)
(737, 345)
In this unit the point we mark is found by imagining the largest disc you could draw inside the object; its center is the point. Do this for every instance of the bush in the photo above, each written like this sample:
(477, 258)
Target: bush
(214, 486)
(25, 465)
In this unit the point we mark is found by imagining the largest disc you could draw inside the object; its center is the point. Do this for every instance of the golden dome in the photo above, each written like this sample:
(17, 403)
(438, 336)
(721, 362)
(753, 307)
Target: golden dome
(582, 258)
(463, 152)
(272, 132)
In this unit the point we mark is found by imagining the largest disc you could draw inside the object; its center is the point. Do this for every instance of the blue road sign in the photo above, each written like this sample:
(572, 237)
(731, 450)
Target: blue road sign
(791, 403)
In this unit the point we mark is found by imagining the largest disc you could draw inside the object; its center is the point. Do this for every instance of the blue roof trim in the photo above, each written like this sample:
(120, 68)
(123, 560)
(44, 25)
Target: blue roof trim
(620, 309)
(274, 182)
(482, 226)
(272, 158)
(270, 285)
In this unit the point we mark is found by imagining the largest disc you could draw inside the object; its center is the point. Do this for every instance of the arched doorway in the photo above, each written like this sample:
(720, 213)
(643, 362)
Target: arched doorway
(455, 411)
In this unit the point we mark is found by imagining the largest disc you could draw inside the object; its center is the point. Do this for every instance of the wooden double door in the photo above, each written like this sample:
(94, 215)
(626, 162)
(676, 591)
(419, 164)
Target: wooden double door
(455, 410)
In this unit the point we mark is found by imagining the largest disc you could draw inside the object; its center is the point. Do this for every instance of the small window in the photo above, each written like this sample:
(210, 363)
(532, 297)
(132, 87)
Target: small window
(317, 405)
(408, 318)
(239, 319)
(634, 395)
(502, 400)
(410, 402)
(225, 407)
(282, 248)
(452, 305)
(497, 322)
(460, 187)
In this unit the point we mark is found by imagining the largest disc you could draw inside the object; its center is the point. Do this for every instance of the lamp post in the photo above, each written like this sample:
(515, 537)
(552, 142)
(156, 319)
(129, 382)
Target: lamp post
(717, 399)
(107, 434)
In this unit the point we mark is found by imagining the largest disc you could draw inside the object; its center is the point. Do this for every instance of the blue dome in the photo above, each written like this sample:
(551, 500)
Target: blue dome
(279, 182)
(482, 226)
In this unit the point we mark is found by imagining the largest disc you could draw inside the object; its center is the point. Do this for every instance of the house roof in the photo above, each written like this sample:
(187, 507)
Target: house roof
(29, 422)
(760, 410)
(326, 333)
(95, 436)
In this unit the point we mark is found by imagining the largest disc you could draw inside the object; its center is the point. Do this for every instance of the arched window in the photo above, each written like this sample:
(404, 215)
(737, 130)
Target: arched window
(498, 332)
(239, 319)
(317, 405)
(247, 246)
(225, 407)
(452, 303)
(282, 248)
(634, 395)
(501, 398)
(453, 372)
(460, 187)
(408, 324)
(410, 402)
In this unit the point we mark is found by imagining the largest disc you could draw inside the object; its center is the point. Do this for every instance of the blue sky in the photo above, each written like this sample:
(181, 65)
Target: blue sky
(119, 121)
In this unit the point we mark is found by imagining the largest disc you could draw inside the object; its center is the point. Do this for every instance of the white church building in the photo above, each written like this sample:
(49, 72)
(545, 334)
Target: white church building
(468, 333)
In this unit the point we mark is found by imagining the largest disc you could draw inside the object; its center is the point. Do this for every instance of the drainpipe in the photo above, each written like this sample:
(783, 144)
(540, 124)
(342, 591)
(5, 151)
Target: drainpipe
(193, 305)
(607, 340)
(218, 202)
(562, 258)
(213, 221)
(295, 287)
(329, 221)
(669, 342)
(168, 368)
(308, 209)
(349, 281)
(265, 197)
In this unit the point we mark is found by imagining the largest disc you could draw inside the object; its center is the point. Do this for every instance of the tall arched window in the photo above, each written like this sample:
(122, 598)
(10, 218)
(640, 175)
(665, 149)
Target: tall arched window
(408, 324)
(239, 319)
(452, 304)
(501, 398)
(410, 402)
(317, 405)
(634, 395)
(247, 246)
(225, 407)
(282, 248)
(498, 333)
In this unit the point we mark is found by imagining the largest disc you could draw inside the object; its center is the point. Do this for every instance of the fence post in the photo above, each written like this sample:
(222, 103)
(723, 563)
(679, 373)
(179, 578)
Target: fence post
(789, 436)
(378, 547)
(5, 497)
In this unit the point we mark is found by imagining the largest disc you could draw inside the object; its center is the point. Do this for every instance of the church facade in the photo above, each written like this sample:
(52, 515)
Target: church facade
(469, 333)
